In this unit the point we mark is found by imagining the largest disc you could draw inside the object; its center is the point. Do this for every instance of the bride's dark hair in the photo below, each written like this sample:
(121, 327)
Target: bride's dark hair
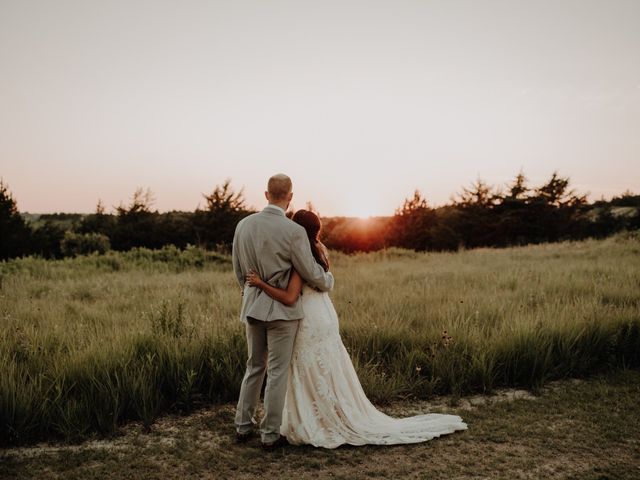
(311, 223)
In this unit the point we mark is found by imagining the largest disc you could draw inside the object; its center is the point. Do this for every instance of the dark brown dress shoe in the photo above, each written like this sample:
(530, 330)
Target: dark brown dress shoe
(244, 437)
(280, 442)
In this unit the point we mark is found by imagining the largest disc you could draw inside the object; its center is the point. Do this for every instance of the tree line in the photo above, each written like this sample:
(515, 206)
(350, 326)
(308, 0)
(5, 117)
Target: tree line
(485, 216)
(479, 216)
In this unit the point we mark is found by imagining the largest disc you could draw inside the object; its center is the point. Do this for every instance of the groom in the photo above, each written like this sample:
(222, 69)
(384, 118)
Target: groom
(271, 245)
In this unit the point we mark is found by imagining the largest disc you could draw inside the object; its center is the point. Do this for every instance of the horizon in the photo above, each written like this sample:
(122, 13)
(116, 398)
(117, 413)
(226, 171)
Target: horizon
(360, 103)
(112, 209)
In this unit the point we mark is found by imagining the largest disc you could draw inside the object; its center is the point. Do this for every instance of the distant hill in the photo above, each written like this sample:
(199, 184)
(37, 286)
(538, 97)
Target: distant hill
(64, 220)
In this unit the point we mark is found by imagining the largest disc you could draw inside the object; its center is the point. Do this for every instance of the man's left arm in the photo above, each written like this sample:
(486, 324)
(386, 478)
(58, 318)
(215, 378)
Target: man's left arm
(237, 268)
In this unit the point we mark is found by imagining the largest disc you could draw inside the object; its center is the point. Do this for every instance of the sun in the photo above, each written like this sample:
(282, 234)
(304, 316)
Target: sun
(359, 211)
(363, 214)
(357, 202)
(362, 204)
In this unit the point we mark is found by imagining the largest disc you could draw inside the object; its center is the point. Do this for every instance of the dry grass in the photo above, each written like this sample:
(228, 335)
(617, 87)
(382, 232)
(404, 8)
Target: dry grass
(90, 343)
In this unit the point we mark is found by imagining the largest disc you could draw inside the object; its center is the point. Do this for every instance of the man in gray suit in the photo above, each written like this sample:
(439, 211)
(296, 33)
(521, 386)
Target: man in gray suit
(270, 244)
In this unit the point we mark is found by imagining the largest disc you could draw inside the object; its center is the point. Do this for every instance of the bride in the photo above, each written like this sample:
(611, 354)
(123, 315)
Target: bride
(325, 404)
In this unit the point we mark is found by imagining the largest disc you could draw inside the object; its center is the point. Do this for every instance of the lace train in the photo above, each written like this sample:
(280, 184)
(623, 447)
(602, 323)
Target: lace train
(326, 405)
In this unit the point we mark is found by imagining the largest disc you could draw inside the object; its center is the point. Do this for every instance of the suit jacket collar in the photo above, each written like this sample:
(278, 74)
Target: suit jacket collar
(274, 210)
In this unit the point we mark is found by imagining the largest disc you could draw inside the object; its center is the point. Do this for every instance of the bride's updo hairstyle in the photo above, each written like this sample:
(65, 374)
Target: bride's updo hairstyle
(311, 223)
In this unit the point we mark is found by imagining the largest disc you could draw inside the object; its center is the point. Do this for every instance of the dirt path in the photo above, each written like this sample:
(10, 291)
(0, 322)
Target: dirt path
(578, 429)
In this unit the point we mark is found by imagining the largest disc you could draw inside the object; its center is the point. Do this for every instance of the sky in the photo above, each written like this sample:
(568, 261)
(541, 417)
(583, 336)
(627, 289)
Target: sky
(360, 102)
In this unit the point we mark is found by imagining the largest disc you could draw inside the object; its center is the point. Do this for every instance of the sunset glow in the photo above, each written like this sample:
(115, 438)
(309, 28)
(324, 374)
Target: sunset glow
(360, 103)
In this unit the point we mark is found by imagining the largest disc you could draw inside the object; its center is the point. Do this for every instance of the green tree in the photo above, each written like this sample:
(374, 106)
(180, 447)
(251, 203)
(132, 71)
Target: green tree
(513, 213)
(74, 244)
(556, 211)
(216, 223)
(136, 223)
(518, 191)
(413, 223)
(14, 232)
(478, 195)
(46, 240)
(98, 222)
(556, 193)
(476, 219)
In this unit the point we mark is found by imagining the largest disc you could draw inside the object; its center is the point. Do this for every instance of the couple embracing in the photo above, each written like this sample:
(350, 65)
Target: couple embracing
(313, 394)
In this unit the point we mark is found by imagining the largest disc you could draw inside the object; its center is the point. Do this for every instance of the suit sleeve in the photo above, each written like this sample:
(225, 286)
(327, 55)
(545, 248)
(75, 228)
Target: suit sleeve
(304, 263)
(237, 270)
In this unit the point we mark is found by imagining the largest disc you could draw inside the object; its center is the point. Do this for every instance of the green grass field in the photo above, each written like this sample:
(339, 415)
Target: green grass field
(89, 343)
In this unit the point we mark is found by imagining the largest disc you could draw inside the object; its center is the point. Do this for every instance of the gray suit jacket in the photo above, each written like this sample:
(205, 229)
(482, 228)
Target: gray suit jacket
(271, 244)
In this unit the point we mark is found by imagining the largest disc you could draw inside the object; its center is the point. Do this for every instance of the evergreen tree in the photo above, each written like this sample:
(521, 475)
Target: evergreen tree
(136, 225)
(556, 211)
(513, 213)
(413, 223)
(215, 225)
(14, 232)
(98, 222)
(476, 219)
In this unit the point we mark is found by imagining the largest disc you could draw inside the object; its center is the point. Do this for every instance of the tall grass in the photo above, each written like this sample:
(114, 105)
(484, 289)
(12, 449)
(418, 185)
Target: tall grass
(90, 342)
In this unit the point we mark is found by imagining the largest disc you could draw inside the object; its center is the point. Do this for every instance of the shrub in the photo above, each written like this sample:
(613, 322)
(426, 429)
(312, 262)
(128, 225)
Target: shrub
(74, 244)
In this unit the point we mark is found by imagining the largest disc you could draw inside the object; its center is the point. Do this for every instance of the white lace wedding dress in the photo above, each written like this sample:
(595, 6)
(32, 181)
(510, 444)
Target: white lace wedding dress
(326, 405)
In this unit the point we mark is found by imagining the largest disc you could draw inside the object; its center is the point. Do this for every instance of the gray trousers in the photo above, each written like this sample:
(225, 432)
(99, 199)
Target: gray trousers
(269, 345)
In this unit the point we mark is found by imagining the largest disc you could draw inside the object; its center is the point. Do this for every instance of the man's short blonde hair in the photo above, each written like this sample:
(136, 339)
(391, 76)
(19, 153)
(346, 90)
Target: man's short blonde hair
(279, 186)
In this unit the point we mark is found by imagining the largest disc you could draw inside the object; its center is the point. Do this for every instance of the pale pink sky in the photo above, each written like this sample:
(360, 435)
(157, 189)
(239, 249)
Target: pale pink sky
(360, 102)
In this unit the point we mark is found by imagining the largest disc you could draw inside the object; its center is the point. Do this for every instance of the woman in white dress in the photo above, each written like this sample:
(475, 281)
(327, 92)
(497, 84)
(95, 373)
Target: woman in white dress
(325, 404)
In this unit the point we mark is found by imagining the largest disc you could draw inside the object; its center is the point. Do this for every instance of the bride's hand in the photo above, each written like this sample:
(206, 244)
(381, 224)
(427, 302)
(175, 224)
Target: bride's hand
(253, 279)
